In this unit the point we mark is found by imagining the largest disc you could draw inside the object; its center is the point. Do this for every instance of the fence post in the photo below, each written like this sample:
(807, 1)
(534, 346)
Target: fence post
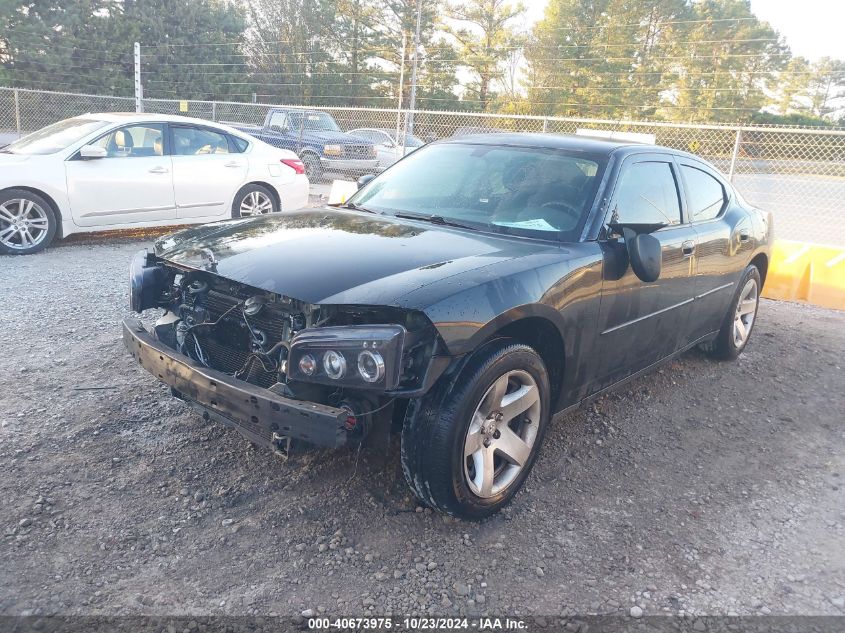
(737, 141)
(545, 125)
(17, 112)
(214, 111)
(139, 88)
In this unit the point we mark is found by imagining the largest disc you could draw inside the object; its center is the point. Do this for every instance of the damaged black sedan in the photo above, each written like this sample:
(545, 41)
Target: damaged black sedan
(465, 295)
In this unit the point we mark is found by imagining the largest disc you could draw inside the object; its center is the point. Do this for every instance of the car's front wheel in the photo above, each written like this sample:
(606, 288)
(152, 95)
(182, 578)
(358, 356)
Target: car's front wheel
(27, 222)
(468, 446)
(254, 200)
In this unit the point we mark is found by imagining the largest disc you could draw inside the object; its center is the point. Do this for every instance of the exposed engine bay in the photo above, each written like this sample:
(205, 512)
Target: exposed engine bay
(357, 358)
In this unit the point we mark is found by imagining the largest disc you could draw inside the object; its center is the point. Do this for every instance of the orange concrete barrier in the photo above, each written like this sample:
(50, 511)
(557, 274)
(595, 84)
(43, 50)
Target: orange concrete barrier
(807, 272)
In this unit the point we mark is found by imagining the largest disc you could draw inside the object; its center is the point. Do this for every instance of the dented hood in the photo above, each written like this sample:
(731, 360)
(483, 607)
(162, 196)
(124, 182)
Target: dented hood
(340, 257)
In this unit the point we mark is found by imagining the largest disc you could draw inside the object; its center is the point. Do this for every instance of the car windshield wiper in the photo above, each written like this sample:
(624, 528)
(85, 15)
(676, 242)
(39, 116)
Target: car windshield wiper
(355, 207)
(434, 219)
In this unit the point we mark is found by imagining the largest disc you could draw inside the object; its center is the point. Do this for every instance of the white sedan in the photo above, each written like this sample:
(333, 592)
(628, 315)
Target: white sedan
(102, 172)
(388, 149)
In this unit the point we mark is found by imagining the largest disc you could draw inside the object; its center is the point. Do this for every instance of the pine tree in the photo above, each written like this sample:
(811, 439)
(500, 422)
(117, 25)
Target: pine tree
(485, 37)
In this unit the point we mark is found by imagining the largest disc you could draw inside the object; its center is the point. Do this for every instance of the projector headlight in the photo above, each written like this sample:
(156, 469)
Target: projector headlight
(361, 356)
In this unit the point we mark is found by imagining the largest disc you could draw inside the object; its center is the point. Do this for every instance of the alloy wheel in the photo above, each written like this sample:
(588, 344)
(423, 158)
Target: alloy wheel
(256, 203)
(23, 224)
(746, 311)
(501, 435)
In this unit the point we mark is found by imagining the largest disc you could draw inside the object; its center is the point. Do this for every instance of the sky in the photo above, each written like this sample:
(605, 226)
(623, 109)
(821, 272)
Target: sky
(812, 28)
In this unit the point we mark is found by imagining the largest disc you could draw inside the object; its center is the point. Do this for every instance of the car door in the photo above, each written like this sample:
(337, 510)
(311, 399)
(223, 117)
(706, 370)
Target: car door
(639, 322)
(387, 150)
(208, 170)
(723, 243)
(280, 133)
(132, 184)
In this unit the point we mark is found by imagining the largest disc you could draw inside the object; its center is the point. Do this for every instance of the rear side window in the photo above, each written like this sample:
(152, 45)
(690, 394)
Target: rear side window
(195, 141)
(705, 194)
(648, 194)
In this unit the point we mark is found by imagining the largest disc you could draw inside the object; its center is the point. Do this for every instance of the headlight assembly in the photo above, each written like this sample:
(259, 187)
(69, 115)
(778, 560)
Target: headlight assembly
(360, 356)
(333, 150)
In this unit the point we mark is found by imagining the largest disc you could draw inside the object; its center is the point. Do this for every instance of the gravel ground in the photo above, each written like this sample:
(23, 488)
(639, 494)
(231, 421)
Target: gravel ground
(706, 488)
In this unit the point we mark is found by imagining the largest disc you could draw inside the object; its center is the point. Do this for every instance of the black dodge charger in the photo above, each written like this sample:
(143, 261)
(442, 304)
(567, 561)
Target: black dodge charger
(465, 295)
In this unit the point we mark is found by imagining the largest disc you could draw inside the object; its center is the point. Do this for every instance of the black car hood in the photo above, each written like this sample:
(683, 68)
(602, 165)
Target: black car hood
(341, 257)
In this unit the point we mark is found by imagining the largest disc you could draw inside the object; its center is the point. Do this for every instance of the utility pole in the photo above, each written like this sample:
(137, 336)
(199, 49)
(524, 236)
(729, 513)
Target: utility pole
(413, 104)
(401, 89)
(139, 88)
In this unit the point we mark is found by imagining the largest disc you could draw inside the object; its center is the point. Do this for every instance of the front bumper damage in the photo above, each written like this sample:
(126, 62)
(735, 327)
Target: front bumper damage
(261, 415)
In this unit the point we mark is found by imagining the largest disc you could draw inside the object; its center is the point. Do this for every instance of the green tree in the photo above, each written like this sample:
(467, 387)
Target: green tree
(793, 82)
(485, 37)
(436, 77)
(826, 88)
(87, 46)
(191, 50)
(730, 60)
(603, 57)
(355, 42)
(63, 45)
(287, 49)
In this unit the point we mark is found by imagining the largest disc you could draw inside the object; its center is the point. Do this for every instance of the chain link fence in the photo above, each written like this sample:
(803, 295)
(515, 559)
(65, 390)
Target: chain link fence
(797, 173)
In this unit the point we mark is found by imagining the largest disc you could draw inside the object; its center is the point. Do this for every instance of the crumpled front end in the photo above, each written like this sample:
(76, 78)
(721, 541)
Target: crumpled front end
(275, 367)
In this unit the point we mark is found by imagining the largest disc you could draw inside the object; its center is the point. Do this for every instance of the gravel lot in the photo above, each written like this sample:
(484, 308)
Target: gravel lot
(706, 488)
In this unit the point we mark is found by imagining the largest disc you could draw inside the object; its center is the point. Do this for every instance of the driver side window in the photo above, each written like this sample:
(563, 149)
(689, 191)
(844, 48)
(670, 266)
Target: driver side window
(648, 194)
(133, 141)
(279, 121)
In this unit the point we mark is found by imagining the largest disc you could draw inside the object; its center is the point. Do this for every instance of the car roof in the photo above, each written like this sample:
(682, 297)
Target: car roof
(551, 141)
(131, 117)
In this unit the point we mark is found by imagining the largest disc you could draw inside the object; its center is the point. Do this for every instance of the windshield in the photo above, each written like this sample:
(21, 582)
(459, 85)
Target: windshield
(313, 121)
(56, 137)
(536, 192)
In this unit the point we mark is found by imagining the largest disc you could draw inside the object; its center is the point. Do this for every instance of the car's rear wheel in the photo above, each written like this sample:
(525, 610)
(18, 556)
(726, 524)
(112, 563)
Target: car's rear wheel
(740, 319)
(313, 167)
(254, 200)
(27, 222)
(468, 446)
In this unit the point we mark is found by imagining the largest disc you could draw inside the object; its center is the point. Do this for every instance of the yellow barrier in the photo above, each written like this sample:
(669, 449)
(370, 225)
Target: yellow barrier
(807, 272)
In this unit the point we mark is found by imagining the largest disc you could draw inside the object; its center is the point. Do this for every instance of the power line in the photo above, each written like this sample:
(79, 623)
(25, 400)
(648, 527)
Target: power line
(365, 50)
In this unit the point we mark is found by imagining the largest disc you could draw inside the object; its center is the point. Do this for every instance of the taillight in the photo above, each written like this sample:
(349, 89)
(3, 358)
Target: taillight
(295, 164)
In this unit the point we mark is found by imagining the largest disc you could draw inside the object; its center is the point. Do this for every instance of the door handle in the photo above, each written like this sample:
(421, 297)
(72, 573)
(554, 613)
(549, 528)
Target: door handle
(159, 170)
(743, 236)
(688, 248)
(232, 164)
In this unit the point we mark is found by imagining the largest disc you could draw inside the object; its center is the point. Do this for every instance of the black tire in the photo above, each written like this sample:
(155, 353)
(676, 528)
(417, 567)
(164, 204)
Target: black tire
(39, 222)
(726, 345)
(258, 194)
(436, 428)
(313, 167)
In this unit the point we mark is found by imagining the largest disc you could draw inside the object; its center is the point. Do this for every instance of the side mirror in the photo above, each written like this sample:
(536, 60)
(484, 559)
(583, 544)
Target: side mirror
(644, 250)
(646, 255)
(364, 180)
(92, 151)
